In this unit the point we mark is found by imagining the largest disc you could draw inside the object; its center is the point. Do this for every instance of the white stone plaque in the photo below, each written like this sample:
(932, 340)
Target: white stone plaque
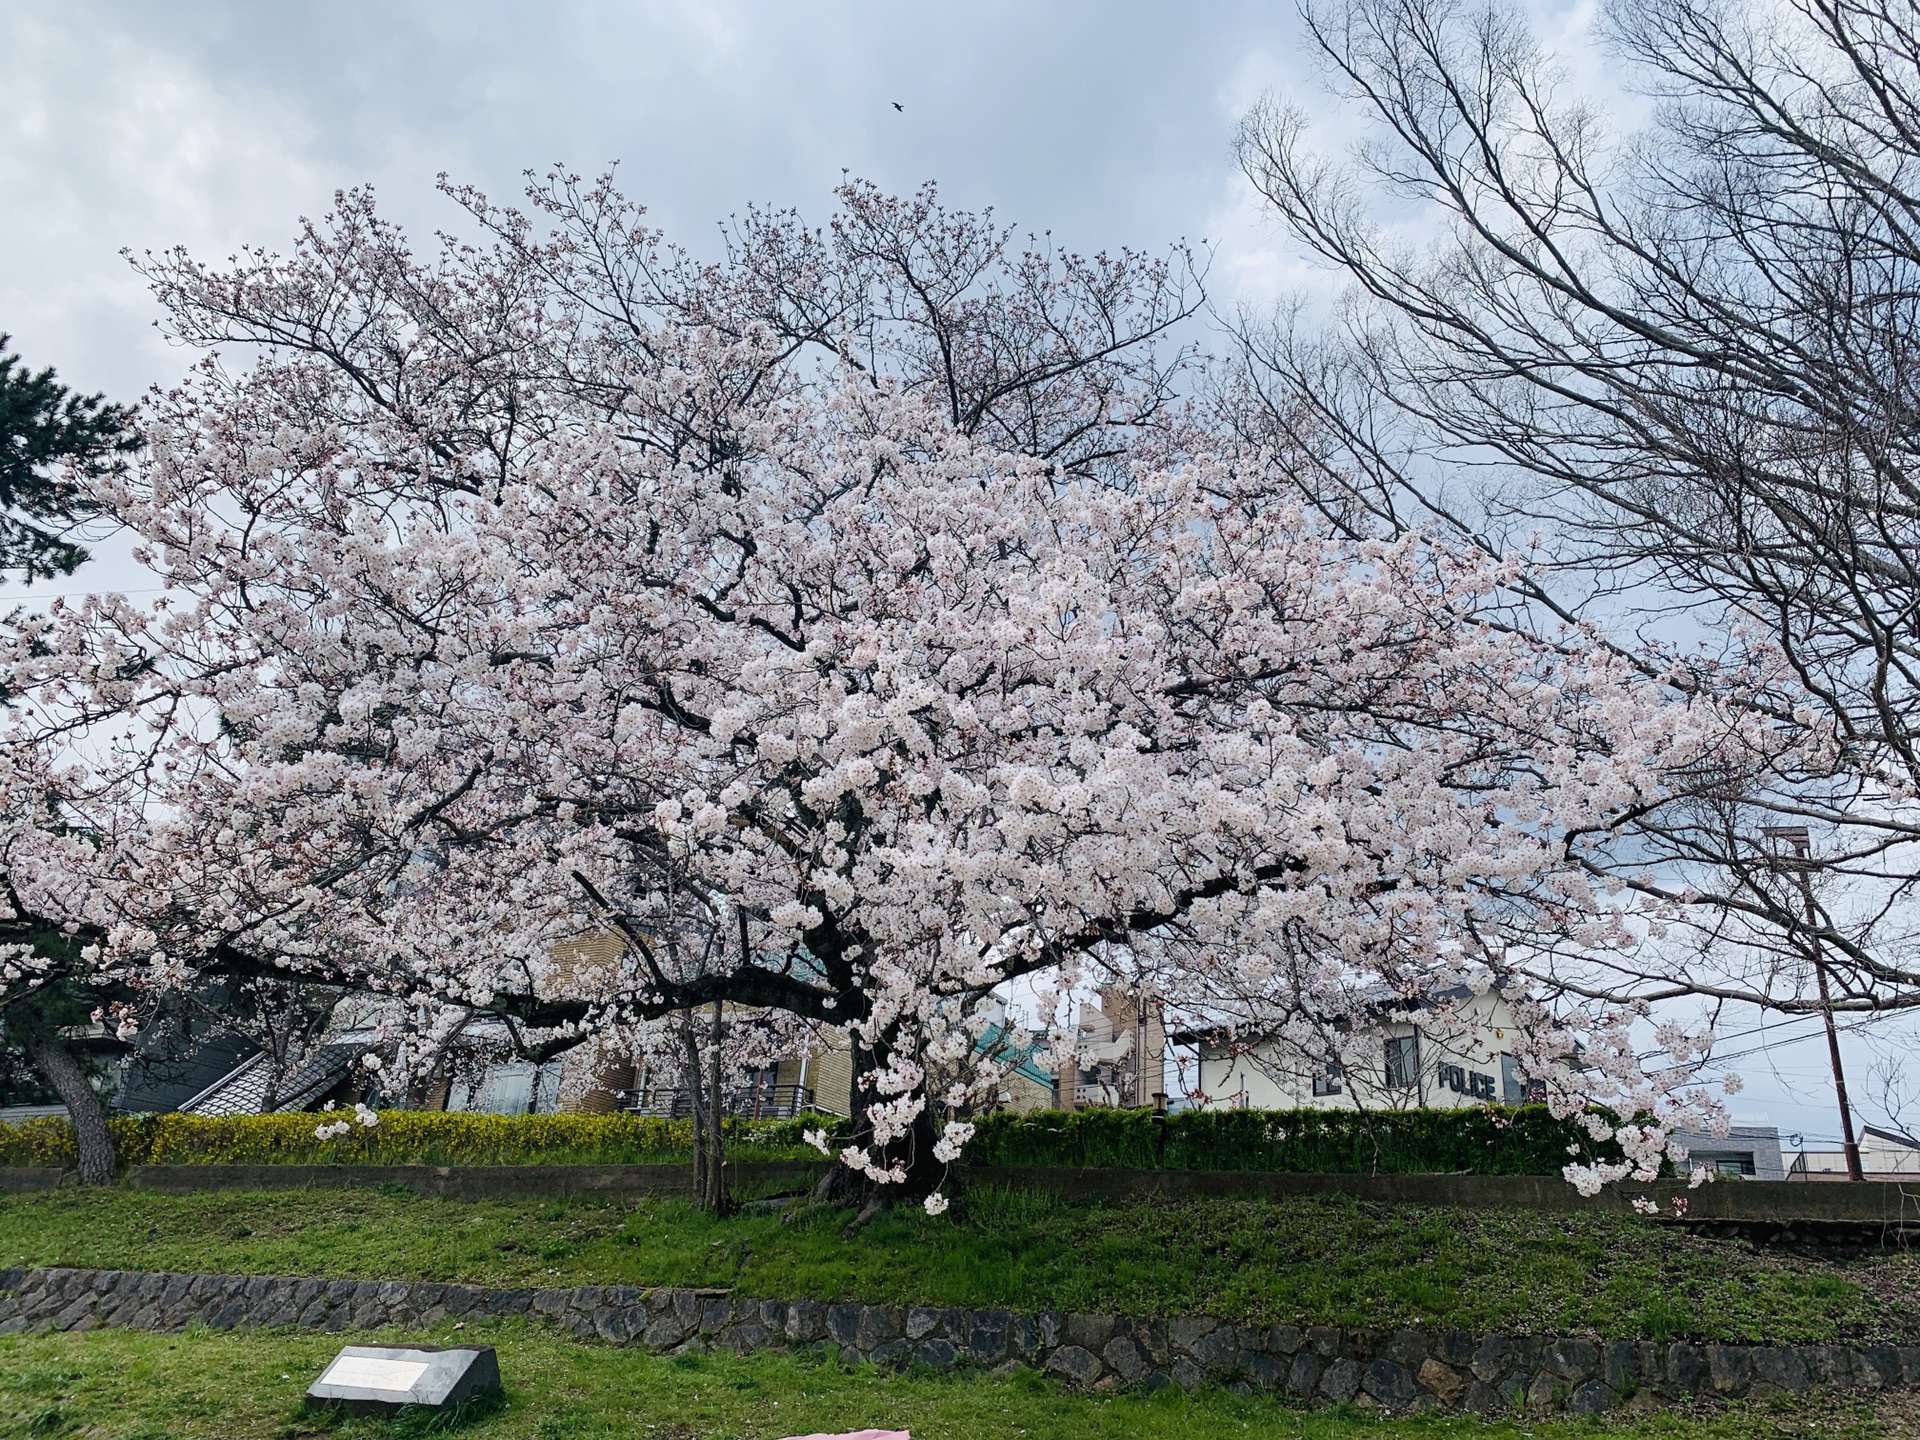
(382, 1378)
(368, 1372)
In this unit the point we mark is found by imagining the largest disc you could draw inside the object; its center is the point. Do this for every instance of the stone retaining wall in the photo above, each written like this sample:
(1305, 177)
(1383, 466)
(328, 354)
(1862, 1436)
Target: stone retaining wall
(1398, 1370)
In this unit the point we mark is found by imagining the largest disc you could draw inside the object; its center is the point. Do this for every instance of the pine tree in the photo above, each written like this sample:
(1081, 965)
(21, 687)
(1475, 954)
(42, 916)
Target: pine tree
(49, 439)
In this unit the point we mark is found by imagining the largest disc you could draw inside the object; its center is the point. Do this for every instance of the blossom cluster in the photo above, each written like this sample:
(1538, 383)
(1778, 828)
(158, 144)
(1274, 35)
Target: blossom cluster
(334, 1129)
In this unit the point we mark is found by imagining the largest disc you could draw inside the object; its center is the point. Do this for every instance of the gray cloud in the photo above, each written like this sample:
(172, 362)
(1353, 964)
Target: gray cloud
(213, 124)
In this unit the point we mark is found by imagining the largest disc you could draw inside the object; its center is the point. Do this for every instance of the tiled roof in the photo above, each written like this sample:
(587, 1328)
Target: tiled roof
(243, 1090)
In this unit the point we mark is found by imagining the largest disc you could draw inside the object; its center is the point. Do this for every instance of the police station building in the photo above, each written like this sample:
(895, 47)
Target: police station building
(1454, 1053)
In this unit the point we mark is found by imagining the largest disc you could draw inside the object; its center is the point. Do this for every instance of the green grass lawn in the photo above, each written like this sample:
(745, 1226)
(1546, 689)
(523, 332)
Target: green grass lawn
(124, 1385)
(1321, 1260)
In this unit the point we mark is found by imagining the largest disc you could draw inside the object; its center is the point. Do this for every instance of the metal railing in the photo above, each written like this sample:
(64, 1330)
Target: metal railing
(750, 1102)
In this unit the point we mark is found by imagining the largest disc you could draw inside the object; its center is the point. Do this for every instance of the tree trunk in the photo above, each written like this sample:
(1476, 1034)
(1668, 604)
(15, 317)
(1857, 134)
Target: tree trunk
(842, 1185)
(697, 1110)
(715, 1200)
(94, 1140)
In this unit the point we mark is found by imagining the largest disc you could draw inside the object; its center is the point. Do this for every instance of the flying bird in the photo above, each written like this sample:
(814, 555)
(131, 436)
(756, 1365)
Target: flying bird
(898, 106)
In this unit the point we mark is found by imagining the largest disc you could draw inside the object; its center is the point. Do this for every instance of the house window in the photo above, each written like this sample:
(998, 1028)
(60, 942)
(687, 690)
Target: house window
(1327, 1081)
(1403, 1061)
(513, 1087)
(1739, 1162)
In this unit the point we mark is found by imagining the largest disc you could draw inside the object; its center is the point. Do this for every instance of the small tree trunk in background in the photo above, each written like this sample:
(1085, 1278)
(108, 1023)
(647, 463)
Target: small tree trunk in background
(94, 1140)
(715, 1198)
(696, 1107)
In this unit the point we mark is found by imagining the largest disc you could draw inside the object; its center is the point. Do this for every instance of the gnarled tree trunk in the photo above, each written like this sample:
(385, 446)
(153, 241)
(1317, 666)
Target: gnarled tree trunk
(63, 1071)
(843, 1185)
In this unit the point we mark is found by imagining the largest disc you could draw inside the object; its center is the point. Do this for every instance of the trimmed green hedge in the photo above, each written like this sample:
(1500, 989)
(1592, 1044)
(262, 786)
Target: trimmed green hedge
(1481, 1141)
(1525, 1141)
(403, 1137)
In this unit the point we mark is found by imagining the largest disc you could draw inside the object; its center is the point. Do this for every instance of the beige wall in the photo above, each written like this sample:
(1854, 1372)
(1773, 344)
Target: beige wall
(591, 1081)
(828, 1074)
(1025, 1093)
(830, 1077)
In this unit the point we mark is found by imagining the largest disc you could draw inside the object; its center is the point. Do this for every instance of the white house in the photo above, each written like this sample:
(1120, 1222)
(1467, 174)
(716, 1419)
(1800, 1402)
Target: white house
(1455, 1053)
(1884, 1155)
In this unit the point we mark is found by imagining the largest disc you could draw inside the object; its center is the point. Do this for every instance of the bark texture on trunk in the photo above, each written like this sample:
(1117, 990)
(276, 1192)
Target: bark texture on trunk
(94, 1140)
(842, 1185)
(706, 1095)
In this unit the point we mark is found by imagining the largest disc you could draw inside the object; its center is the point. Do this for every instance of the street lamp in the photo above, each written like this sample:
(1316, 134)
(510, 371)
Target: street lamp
(1796, 839)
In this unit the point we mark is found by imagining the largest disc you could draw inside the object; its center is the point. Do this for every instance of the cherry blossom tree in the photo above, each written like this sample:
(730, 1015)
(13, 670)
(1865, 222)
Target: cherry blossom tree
(847, 643)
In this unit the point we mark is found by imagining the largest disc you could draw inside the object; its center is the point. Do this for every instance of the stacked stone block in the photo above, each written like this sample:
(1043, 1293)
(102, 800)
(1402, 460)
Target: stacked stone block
(1402, 1370)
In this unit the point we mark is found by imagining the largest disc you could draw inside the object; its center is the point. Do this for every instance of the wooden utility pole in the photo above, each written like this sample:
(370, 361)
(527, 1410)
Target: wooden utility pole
(1796, 839)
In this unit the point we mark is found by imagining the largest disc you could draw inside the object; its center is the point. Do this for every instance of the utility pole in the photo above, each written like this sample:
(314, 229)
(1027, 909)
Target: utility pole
(1795, 838)
(1140, 1091)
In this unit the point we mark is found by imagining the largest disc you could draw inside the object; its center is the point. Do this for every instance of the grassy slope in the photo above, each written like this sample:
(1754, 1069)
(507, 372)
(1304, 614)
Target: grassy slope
(122, 1385)
(1324, 1261)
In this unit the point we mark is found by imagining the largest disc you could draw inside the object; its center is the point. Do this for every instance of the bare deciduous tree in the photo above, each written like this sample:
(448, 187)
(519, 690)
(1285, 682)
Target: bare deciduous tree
(1687, 360)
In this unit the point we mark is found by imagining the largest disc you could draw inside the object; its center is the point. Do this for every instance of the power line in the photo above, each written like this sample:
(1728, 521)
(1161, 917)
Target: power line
(1872, 1019)
(1796, 1039)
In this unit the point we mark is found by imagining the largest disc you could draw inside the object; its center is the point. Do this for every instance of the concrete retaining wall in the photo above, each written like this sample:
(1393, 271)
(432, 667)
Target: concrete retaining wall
(15, 1179)
(477, 1182)
(1403, 1370)
(1886, 1203)
(1889, 1204)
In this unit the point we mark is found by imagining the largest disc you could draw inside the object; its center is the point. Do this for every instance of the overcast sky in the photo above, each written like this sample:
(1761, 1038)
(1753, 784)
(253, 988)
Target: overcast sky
(213, 125)
(216, 124)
